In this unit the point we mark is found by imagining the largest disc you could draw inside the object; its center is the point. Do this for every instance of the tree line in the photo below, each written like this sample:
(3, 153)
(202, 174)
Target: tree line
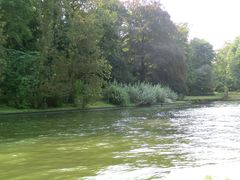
(55, 52)
(227, 67)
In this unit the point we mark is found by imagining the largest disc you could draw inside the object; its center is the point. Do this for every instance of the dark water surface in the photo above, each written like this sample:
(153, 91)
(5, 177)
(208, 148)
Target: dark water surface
(137, 143)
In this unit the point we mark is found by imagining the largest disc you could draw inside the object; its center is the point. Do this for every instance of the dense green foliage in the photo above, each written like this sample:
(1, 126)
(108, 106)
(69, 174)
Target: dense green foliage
(153, 47)
(65, 36)
(227, 67)
(200, 75)
(22, 77)
(139, 94)
(116, 94)
(56, 52)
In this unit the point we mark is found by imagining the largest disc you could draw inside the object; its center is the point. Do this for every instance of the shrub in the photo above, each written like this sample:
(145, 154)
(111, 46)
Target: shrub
(116, 94)
(147, 94)
(85, 93)
(161, 94)
(171, 95)
(133, 92)
(141, 94)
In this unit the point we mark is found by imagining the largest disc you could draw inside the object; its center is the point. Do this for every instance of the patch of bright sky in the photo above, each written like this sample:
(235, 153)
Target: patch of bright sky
(216, 21)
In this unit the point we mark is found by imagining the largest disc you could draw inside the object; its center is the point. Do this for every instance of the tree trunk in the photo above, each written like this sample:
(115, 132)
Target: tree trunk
(225, 96)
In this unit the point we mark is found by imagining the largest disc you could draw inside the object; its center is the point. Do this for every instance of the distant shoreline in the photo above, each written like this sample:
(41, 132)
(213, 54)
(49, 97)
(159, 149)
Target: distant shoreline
(187, 102)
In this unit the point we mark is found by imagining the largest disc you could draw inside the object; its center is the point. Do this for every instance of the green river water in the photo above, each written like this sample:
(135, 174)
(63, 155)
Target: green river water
(201, 142)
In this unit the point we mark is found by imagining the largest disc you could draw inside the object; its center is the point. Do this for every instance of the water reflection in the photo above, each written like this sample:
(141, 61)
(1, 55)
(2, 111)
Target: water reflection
(122, 172)
(212, 132)
(136, 143)
(227, 171)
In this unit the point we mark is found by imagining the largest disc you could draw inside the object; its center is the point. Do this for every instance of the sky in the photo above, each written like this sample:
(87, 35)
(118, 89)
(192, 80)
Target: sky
(217, 21)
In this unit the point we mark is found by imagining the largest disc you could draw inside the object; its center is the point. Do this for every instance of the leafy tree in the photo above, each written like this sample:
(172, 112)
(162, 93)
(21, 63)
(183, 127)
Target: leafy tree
(21, 79)
(227, 67)
(151, 40)
(200, 77)
(111, 44)
(222, 69)
(2, 58)
(18, 16)
(203, 52)
(86, 65)
(234, 55)
(16, 38)
(66, 36)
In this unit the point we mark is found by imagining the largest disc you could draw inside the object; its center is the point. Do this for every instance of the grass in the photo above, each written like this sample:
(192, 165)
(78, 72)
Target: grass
(7, 109)
(233, 96)
(215, 97)
(4, 109)
(100, 104)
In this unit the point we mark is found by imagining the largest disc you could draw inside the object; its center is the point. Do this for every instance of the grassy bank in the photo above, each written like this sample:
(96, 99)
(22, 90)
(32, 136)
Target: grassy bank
(4, 109)
(233, 96)
(215, 97)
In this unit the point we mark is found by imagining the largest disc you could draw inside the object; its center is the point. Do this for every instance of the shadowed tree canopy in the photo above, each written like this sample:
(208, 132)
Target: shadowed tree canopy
(56, 52)
(227, 67)
(154, 50)
(200, 70)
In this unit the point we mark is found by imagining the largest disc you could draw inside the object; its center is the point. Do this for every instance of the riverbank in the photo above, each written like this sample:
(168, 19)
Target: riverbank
(5, 110)
(100, 105)
(233, 96)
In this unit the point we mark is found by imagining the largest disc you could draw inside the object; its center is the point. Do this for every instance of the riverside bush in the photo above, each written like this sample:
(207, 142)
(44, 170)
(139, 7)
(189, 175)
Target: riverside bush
(147, 94)
(141, 94)
(161, 94)
(133, 92)
(116, 94)
(171, 95)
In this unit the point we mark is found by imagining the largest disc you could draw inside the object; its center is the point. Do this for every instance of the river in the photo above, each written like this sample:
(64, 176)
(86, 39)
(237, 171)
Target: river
(198, 142)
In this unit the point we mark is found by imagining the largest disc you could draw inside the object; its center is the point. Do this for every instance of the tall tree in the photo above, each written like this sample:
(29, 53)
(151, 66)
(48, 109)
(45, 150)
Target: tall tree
(235, 65)
(153, 46)
(222, 69)
(19, 41)
(88, 68)
(63, 38)
(18, 16)
(2, 41)
(227, 67)
(111, 44)
(200, 78)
